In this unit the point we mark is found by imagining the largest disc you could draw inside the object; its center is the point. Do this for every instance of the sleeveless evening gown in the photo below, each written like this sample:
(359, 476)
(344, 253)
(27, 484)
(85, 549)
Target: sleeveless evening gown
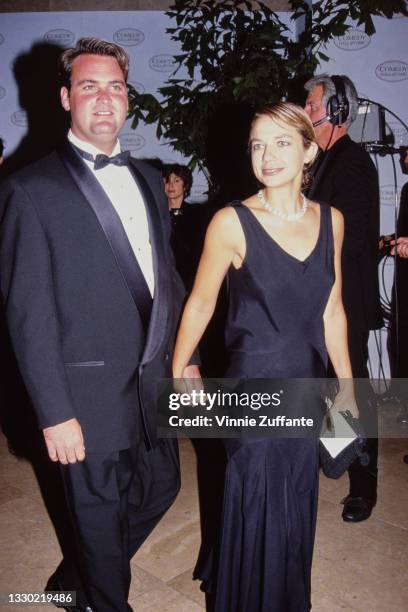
(274, 330)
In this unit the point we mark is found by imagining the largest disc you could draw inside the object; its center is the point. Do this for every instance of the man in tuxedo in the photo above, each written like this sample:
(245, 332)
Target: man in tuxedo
(92, 302)
(345, 177)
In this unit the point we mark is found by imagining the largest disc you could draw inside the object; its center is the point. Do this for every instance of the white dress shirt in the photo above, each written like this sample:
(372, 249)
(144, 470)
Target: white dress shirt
(123, 191)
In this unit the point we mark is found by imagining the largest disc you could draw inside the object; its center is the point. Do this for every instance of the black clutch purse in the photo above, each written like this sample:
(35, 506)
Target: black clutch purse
(342, 443)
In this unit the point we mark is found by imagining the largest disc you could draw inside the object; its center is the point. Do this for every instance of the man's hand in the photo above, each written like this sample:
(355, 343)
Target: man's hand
(401, 246)
(65, 442)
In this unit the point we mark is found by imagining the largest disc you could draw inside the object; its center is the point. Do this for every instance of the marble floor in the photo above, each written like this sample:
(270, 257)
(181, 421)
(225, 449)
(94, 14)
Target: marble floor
(356, 567)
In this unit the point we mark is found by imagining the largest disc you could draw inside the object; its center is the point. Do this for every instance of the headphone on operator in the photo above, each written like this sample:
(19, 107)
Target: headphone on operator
(338, 105)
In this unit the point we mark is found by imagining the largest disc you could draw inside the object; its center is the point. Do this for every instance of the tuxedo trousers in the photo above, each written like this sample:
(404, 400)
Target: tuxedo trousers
(115, 500)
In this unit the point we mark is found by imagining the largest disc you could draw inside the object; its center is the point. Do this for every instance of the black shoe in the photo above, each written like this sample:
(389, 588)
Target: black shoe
(54, 584)
(357, 509)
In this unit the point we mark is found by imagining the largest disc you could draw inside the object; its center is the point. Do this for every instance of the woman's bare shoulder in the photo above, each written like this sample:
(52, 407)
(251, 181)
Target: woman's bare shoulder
(336, 215)
(225, 219)
(314, 206)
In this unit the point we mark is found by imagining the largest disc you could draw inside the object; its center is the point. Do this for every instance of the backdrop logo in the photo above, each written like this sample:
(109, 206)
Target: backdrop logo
(387, 194)
(1, 39)
(400, 133)
(60, 37)
(140, 88)
(392, 71)
(162, 63)
(19, 118)
(132, 142)
(129, 37)
(2, 92)
(352, 40)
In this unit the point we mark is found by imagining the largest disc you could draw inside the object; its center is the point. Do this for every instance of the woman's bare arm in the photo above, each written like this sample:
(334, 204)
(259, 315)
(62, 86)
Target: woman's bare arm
(335, 322)
(222, 243)
(335, 326)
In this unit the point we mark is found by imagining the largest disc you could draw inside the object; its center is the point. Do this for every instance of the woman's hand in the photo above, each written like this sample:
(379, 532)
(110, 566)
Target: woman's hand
(189, 382)
(192, 379)
(345, 400)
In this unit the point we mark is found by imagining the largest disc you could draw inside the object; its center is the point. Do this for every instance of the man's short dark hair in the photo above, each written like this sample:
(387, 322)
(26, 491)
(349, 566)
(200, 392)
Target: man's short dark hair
(182, 172)
(91, 46)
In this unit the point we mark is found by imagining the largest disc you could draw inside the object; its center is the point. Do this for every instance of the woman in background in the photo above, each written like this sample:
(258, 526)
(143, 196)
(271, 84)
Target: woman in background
(178, 181)
(187, 220)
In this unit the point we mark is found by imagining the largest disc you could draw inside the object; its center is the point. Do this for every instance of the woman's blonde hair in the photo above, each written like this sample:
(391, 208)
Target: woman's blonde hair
(294, 116)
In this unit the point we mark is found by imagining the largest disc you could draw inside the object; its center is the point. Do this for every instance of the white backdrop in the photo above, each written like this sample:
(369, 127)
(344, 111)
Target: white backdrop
(377, 65)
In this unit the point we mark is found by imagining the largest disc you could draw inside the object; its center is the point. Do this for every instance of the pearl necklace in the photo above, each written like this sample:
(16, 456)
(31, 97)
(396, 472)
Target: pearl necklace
(286, 216)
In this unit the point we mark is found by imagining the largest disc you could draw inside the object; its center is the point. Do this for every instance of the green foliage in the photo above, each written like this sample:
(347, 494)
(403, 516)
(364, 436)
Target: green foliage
(233, 54)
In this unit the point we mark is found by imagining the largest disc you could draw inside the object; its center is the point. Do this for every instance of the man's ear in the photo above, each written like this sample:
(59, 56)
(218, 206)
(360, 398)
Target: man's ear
(64, 93)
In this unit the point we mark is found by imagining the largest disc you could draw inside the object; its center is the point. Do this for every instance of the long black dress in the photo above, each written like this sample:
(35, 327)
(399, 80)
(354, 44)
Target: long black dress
(274, 330)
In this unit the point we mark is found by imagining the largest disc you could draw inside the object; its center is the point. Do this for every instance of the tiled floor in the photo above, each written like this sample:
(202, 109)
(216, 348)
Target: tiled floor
(357, 567)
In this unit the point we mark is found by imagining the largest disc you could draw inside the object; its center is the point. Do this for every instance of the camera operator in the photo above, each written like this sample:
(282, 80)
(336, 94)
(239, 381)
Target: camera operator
(345, 177)
(398, 333)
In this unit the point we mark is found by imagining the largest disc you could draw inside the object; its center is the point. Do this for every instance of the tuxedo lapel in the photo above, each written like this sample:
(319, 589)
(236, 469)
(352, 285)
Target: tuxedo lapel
(113, 229)
(158, 320)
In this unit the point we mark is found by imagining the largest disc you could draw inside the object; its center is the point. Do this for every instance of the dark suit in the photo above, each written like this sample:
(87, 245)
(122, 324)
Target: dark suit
(91, 344)
(345, 177)
(398, 333)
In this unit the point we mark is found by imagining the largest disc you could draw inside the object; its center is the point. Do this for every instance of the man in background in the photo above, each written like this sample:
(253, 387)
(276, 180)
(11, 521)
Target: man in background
(345, 177)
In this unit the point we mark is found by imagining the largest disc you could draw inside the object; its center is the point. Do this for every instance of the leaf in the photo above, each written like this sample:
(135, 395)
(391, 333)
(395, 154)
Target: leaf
(323, 56)
(369, 26)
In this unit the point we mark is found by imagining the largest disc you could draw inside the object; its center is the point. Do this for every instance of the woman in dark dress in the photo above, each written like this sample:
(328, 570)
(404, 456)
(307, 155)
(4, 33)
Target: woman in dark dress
(188, 221)
(282, 255)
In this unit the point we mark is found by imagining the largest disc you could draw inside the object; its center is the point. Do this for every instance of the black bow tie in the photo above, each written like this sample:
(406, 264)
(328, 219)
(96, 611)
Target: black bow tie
(101, 160)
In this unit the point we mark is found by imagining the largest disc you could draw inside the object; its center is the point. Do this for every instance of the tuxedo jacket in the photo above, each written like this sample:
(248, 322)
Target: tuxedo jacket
(346, 178)
(84, 346)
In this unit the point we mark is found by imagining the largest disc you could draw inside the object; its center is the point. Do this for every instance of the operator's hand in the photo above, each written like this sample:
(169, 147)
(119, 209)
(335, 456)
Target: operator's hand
(400, 247)
(65, 442)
